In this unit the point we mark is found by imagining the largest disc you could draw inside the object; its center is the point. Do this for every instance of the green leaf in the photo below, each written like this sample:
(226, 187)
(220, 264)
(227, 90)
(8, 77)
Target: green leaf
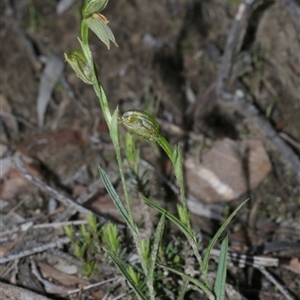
(116, 199)
(185, 229)
(183, 289)
(126, 275)
(110, 238)
(157, 238)
(189, 278)
(134, 275)
(220, 283)
(177, 163)
(217, 235)
(171, 217)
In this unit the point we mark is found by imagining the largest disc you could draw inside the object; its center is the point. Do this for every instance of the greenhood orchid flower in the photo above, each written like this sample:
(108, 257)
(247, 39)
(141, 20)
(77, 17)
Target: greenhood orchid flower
(96, 21)
(80, 65)
(141, 123)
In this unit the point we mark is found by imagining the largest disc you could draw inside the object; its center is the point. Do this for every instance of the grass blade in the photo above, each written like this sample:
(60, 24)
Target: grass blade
(126, 275)
(157, 238)
(185, 230)
(116, 199)
(191, 279)
(220, 283)
(217, 235)
(171, 217)
(183, 290)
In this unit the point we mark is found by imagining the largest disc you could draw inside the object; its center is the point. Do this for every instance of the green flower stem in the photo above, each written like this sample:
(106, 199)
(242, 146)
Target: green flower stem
(108, 117)
(178, 173)
(103, 101)
(85, 41)
(96, 85)
(105, 109)
(166, 146)
(122, 174)
(175, 157)
(114, 134)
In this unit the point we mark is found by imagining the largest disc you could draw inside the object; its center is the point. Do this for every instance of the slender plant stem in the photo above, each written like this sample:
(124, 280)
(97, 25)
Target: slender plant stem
(85, 41)
(166, 146)
(178, 173)
(103, 102)
(122, 174)
(108, 118)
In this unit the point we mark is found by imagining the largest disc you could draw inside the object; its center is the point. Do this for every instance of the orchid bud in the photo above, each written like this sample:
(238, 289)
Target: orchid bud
(80, 65)
(142, 124)
(91, 6)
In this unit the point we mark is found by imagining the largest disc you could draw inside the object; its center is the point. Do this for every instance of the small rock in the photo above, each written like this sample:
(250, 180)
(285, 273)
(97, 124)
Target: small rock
(228, 170)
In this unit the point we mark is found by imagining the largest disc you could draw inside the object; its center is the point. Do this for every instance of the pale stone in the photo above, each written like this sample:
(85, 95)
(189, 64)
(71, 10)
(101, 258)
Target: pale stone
(228, 170)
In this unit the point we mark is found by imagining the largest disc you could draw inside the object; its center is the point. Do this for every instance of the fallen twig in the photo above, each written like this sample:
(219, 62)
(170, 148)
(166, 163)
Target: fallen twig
(280, 287)
(85, 288)
(26, 226)
(34, 250)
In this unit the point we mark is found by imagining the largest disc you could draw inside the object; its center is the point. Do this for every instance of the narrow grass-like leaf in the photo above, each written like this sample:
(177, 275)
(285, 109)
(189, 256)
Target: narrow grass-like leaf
(126, 275)
(217, 235)
(171, 217)
(191, 279)
(220, 283)
(185, 229)
(183, 289)
(153, 256)
(116, 199)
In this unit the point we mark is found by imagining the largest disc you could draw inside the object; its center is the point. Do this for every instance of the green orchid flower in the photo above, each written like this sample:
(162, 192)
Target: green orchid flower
(98, 22)
(80, 65)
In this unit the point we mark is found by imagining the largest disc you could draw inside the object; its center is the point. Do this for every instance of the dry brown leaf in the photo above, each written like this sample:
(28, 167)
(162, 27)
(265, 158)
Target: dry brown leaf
(52, 141)
(16, 183)
(6, 247)
(293, 265)
(63, 278)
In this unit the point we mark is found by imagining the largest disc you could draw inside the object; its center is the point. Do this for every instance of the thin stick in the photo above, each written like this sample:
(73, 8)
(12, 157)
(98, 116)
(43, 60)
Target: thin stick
(34, 250)
(280, 287)
(92, 285)
(45, 225)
